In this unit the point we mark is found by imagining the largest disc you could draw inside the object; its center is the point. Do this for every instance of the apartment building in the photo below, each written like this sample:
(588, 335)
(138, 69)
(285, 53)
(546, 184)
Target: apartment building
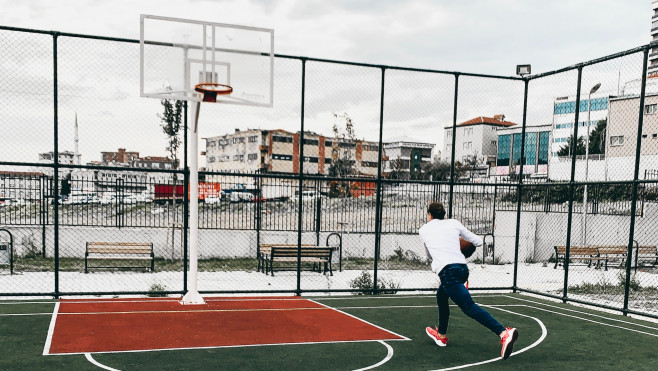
(475, 137)
(278, 151)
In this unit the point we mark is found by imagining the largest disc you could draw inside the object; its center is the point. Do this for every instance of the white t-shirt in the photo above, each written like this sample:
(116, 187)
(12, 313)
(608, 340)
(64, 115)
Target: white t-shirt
(441, 239)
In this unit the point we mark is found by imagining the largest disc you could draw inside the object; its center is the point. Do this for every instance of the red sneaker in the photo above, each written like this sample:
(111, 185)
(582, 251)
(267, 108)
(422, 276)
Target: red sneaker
(434, 334)
(507, 341)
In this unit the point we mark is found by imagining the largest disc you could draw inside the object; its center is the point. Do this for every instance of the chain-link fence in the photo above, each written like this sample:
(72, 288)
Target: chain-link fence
(557, 173)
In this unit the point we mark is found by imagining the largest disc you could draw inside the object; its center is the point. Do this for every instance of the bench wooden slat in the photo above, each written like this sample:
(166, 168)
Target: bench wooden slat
(109, 251)
(587, 253)
(289, 253)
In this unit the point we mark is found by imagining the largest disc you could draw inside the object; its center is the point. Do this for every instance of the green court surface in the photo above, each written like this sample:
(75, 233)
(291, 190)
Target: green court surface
(552, 336)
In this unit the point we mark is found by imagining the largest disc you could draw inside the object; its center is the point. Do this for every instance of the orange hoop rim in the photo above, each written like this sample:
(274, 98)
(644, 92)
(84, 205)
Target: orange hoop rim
(213, 88)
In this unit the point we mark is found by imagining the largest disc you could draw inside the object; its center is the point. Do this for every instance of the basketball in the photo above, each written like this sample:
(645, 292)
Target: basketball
(466, 247)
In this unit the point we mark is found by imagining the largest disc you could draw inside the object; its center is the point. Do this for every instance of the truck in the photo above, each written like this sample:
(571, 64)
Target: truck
(163, 192)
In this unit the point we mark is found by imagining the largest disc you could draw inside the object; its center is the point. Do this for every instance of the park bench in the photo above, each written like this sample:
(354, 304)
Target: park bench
(107, 252)
(590, 254)
(318, 257)
(264, 254)
(646, 253)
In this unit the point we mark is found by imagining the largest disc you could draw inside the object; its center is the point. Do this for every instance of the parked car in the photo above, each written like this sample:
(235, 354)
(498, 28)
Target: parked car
(210, 200)
(241, 197)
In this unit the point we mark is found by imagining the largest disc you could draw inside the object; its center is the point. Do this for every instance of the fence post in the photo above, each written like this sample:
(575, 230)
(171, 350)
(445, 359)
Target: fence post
(186, 202)
(638, 152)
(572, 187)
(259, 213)
(43, 206)
(454, 139)
(318, 216)
(300, 209)
(56, 165)
(378, 182)
(520, 186)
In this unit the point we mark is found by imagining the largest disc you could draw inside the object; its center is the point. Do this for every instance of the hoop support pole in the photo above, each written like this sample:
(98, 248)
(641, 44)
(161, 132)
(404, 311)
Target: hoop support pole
(192, 296)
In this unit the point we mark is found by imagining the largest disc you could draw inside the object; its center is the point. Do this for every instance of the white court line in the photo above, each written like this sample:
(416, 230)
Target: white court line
(425, 306)
(365, 297)
(190, 311)
(389, 355)
(544, 332)
(362, 320)
(585, 313)
(593, 321)
(51, 329)
(221, 347)
(24, 314)
(96, 363)
(27, 302)
(175, 300)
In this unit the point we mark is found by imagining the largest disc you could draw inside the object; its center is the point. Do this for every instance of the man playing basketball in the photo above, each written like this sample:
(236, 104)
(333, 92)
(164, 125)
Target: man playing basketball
(441, 239)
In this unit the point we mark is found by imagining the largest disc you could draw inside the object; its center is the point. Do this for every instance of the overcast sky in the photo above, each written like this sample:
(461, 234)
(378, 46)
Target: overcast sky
(484, 36)
(489, 37)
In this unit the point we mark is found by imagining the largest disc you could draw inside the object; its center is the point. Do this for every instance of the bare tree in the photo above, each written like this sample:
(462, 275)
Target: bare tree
(342, 162)
(172, 120)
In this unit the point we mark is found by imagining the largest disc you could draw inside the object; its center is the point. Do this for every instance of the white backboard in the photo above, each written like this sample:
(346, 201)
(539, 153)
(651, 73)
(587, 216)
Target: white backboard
(176, 54)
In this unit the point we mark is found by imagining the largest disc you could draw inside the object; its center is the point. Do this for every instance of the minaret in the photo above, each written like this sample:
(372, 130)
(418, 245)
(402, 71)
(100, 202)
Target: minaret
(76, 158)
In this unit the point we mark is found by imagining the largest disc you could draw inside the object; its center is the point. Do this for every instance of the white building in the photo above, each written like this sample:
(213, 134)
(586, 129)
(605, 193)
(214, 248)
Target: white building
(411, 153)
(478, 136)
(564, 113)
(65, 157)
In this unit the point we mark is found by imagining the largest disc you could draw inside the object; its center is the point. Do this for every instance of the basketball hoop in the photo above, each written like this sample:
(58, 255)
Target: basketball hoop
(211, 90)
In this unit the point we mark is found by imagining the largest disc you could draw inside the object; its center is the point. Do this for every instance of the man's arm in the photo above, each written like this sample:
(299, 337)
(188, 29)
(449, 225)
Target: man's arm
(469, 236)
(429, 256)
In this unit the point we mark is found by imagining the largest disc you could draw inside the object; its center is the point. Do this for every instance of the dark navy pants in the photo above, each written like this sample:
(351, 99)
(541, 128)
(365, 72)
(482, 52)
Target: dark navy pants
(452, 278)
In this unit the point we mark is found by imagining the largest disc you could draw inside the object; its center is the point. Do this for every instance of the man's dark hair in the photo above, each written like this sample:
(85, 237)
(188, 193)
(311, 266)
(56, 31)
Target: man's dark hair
(436, 210)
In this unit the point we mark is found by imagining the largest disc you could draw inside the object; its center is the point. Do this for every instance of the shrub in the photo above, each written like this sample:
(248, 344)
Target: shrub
(364, 282)
(157, 290)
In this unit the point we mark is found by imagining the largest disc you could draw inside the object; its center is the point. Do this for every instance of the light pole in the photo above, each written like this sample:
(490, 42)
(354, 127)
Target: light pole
(589, 110)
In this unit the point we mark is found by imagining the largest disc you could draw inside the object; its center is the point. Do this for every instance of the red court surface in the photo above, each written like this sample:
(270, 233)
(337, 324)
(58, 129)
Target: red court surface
(116, 325)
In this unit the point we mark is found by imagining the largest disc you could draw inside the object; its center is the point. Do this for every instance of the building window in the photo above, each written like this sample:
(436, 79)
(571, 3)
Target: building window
(311, 159)
(346, 145)
(370, 148)
(281, 139)
(504, 148)
(654, 136)
(311, 142)
(617, 140)
(211, 159)
(253, 139)
(328, 143)
(493, 143)
(238, 140)
(211, 143)
(252, 156)
(449, 134)
(650, 109)
(281, 157)
(238, 158)
(223, 142)
(327, 161)
(468, 145)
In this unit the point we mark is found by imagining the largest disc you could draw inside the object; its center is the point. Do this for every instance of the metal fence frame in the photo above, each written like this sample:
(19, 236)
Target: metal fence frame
(520, 186)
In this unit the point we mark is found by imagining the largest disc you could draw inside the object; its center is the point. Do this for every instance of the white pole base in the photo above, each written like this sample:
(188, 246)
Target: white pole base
(192, 297)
